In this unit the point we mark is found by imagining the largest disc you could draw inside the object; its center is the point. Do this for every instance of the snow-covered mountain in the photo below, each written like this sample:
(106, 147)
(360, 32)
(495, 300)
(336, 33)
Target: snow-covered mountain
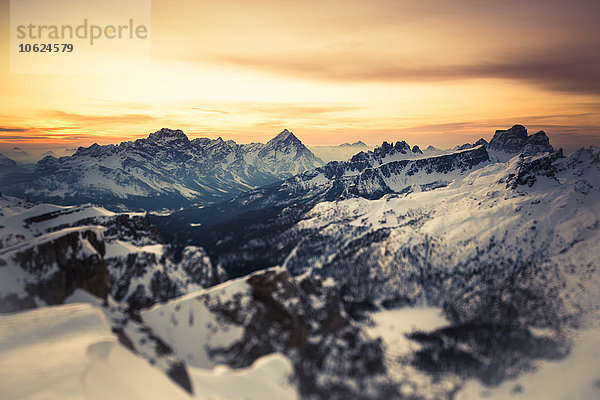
(505, 249)
(165, 170)
(396, 274)
(242, 234)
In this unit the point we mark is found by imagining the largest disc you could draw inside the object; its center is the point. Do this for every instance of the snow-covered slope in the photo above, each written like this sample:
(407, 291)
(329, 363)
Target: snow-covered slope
(269, 377)
(574, 377)
(69, 352)
(452, 244)
(165, 170)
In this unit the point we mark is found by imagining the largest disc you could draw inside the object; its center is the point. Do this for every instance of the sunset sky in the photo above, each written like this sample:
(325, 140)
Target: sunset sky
(425, 71)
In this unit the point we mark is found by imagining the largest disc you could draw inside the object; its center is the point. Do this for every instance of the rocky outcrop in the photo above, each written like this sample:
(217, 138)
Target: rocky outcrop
(54, 265)
(46, 252)
(271, 311)
(516, 140)
(480, 142)
(143, 277)
(531, 167)
(384, 153)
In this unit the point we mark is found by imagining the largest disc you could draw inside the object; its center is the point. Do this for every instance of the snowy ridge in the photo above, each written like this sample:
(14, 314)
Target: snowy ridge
(372, 175)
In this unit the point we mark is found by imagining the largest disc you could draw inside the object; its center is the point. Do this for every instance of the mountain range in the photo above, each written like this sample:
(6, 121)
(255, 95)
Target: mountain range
(165, 170)
(397, 274)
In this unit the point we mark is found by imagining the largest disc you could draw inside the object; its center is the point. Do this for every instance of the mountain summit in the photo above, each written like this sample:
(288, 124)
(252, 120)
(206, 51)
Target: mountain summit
(166, 134)
(516, 140)
(285, 155)
(285, 136)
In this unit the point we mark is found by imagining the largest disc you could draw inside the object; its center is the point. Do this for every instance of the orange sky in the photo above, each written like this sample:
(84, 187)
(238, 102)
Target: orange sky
(428, 71)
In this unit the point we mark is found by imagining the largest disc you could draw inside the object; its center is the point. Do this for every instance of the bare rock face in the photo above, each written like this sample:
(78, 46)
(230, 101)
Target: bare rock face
(515, 140)
(55, 267)
(144, 271)
(531, 167)
(199, 269)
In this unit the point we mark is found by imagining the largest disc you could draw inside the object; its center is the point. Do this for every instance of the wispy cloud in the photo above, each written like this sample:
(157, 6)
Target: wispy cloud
(569, 69)
(91, 119)
(4, 129)
(208, 111)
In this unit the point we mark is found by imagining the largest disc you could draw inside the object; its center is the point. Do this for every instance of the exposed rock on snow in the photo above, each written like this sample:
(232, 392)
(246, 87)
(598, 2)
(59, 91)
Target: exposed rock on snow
(49, 251)
(270, 311)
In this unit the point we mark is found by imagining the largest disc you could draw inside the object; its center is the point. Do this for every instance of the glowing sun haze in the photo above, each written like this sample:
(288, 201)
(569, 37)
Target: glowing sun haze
(428, 71)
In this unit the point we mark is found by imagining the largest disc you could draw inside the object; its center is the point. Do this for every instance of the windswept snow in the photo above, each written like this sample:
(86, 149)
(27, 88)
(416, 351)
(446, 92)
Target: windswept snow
(268, 378)
(69, 352)
(189, 324)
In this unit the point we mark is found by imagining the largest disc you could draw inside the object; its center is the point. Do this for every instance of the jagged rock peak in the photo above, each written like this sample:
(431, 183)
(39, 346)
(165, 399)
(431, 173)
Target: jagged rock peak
(533, 166)
(515, 140)
(416, 149)
(402, 147)
(168, 134)
(510, 140)
(284, 137)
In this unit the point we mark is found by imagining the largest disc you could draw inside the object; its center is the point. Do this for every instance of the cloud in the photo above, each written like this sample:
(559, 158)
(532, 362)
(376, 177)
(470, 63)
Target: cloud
(571, 69)
(87, 119)
(4, 129)
(304, 110)
(209, 111)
